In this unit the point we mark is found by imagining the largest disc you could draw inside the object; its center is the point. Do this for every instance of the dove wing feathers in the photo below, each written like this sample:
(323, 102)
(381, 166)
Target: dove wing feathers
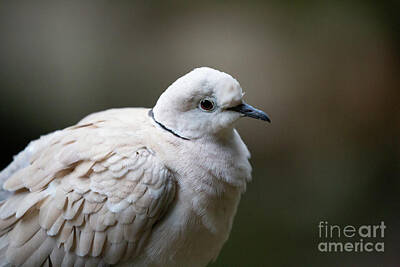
(89, 196)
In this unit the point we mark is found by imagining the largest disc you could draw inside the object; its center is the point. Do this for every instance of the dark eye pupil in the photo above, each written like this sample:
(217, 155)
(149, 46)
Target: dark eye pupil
(206, 105)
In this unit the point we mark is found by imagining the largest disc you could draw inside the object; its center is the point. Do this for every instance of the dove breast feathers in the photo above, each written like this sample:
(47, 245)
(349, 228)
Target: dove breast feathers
(118, 189)
(89, 195)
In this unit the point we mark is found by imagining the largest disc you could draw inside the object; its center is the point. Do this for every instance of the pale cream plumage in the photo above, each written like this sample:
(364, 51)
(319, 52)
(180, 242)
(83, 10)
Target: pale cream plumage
(88, 191)
(122, 188)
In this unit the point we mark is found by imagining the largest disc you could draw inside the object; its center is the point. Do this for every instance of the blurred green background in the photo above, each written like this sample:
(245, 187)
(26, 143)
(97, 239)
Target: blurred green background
(327, 72)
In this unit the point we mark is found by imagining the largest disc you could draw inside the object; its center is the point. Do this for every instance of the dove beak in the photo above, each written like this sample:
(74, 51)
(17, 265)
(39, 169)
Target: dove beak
(249, 111)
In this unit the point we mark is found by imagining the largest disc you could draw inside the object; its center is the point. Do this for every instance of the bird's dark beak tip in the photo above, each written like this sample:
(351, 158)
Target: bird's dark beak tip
(251, 112)
(267, 119)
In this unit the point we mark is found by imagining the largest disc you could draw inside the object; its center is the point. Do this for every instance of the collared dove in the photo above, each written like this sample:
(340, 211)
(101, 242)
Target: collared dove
(132, 186)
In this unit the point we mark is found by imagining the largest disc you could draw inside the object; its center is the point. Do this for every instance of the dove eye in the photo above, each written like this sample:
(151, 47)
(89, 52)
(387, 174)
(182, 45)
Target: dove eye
(207, 104)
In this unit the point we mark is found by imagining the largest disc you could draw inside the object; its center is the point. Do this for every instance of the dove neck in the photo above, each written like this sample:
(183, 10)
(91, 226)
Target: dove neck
(151, 114)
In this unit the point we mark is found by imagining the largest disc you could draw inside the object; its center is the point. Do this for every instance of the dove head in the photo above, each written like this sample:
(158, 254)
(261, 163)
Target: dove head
(201, 103)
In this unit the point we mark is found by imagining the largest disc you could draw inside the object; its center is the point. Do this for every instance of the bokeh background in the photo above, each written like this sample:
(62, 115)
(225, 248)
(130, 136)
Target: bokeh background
(327, 72)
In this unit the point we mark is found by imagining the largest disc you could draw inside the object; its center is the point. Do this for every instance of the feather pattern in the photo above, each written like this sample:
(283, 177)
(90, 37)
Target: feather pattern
(91, 205)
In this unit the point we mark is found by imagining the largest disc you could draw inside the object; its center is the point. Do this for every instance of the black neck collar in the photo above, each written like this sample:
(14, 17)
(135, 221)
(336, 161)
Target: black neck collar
(151, 114)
